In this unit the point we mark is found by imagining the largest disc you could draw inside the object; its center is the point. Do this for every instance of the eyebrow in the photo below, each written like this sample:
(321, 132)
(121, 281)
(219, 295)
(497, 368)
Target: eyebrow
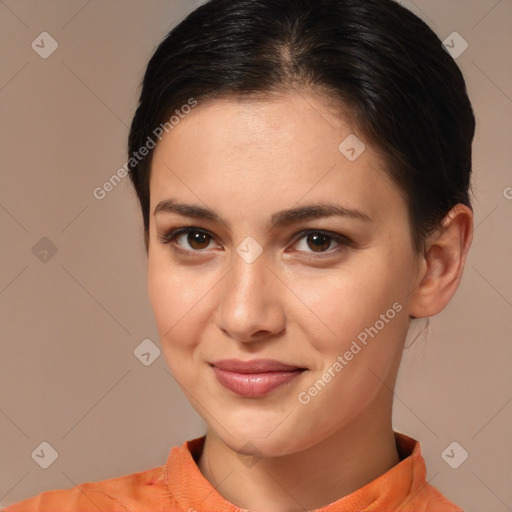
(279, 219)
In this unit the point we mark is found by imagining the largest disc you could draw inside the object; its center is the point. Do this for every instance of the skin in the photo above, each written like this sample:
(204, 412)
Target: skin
(296, 303)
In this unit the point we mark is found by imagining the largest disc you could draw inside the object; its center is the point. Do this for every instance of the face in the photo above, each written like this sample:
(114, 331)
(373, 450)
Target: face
(320, 295)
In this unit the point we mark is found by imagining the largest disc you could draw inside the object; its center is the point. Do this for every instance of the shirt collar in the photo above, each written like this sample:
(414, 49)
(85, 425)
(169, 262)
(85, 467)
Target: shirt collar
(192, 491)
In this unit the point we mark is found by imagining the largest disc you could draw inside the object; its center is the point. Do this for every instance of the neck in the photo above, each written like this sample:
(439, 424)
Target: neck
(337, 466)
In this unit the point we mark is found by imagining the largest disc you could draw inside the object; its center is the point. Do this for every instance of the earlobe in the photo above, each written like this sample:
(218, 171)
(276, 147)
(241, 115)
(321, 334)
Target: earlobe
(442, 263)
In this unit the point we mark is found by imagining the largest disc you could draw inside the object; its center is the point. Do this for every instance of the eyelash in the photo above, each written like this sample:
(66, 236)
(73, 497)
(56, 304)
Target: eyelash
(343, 241)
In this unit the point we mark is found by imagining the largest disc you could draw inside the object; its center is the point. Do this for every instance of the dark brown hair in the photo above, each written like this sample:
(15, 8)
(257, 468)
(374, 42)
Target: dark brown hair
(406, 94)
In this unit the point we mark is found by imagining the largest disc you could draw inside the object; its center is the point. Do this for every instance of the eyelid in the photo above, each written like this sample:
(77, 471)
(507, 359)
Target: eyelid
(338, 237)
(170, 235)
(343, 241)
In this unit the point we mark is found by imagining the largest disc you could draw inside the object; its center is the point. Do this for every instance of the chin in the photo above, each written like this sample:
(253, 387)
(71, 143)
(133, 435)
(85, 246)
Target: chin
(256, 441)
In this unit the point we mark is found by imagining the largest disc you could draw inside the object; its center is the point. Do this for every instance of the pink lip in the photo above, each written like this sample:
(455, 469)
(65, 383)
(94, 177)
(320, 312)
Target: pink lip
(254, 378)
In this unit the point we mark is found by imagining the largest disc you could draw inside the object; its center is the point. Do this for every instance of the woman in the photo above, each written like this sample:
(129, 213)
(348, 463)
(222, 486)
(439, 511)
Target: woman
(303, 169)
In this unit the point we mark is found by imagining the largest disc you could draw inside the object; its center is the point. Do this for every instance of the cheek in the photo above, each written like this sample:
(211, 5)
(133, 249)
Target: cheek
(364, 319)
(175, 296)
(172, 300)
(343, 303)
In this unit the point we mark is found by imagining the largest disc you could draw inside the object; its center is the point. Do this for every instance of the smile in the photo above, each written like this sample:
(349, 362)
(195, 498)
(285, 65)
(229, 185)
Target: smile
(256, 378)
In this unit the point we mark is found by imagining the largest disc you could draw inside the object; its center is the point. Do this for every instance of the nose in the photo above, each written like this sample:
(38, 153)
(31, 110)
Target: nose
(250, 305)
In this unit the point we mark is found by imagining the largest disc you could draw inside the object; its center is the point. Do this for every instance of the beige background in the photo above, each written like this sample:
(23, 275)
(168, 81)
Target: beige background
(70, 325)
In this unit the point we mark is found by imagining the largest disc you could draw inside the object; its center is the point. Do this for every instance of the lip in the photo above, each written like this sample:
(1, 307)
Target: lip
(255, 378)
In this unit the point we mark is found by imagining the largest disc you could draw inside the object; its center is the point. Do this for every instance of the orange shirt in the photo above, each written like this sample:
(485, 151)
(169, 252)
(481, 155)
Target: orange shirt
(180, 486)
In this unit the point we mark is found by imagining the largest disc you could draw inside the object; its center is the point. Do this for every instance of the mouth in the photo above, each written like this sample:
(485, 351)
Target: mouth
(255, 378)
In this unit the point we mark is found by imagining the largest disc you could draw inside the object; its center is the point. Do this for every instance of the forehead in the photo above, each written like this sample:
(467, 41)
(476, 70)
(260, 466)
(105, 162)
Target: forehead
(299, 125)
(257, 153)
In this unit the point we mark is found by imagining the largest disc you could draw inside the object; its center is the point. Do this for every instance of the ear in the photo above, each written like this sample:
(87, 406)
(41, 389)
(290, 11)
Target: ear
(442, 263)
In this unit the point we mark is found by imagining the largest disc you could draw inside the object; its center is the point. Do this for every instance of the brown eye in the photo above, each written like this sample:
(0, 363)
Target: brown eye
(318, 242)
(198, 240)
(188, 239)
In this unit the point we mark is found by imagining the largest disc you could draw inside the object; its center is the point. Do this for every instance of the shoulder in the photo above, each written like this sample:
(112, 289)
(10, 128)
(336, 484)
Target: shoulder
(121, 494)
